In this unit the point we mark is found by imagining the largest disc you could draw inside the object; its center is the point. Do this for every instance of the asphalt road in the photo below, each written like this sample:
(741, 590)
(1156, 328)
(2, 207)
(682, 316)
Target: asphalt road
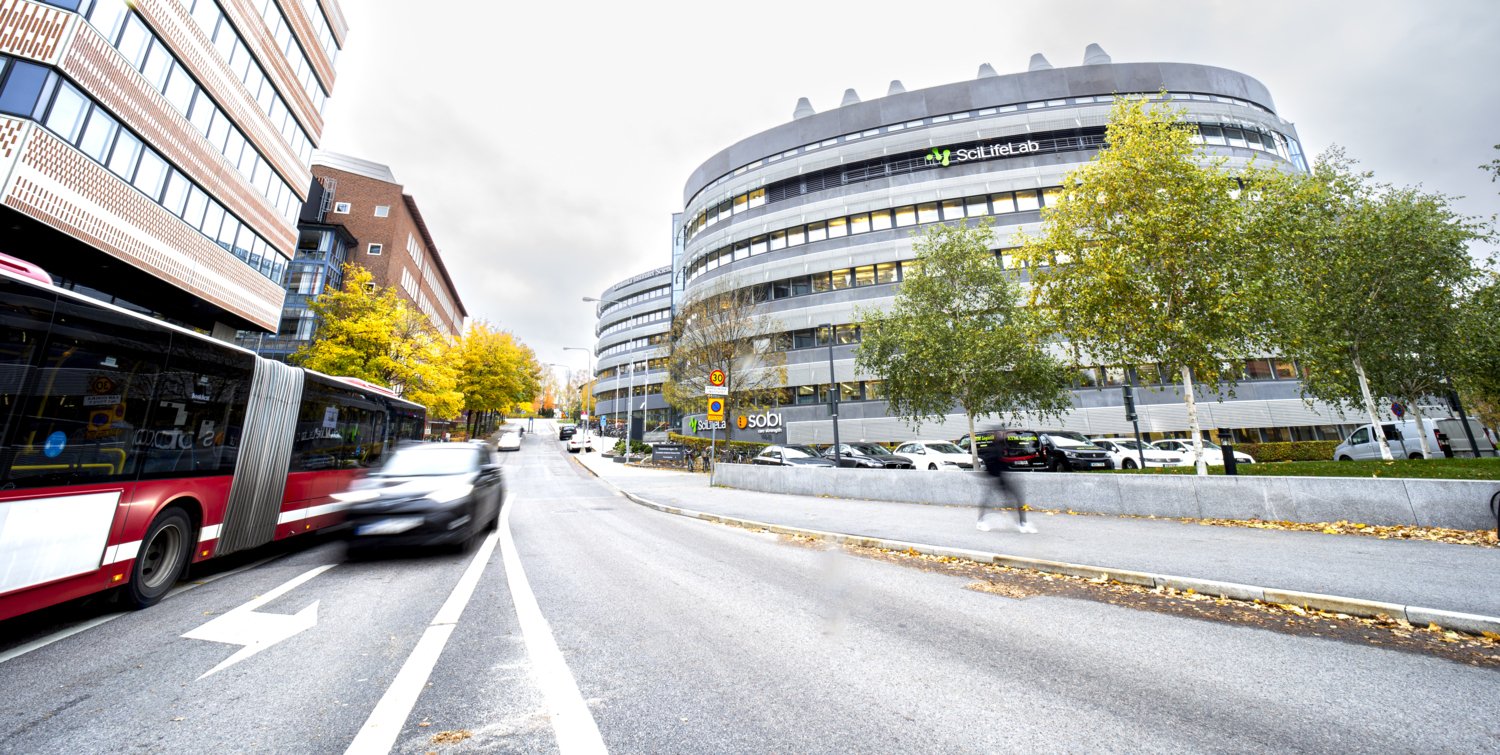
(680, 636)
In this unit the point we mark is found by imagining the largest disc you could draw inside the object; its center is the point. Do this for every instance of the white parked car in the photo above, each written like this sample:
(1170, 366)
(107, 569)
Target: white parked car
(1401, 437)
(509, 441)
(582, 440)
(1127, 453)
(935, 454)
(1213, 455)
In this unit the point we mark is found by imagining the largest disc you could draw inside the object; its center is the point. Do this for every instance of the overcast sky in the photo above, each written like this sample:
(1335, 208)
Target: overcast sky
(548, 143)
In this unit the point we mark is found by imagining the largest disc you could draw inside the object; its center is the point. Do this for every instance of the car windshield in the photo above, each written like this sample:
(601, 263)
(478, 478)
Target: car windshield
(799, 452)
(945, 448)
(1066, 441)
(870, 449)
(425, 461)
(1130, 444)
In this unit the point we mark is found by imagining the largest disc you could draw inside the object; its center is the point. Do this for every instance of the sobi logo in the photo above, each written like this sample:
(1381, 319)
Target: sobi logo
(939, 156)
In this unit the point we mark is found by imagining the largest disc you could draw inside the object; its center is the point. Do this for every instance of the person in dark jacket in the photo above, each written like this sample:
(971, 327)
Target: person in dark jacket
(992, 454)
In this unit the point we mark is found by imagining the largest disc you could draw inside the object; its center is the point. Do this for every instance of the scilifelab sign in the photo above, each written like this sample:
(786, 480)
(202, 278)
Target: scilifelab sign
(983, 152)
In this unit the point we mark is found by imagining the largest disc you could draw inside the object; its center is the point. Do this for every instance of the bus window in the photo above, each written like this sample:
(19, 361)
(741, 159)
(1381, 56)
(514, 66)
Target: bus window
(199, 410)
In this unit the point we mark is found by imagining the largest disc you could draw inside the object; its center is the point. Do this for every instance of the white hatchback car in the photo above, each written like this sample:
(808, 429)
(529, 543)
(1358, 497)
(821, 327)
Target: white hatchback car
(935, 454)
(582, 440)
(1127, 453)
(508, 441)
(1213, 455)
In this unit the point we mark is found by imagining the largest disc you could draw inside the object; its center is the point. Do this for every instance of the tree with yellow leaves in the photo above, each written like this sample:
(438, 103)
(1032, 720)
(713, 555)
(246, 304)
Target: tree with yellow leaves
(497, 372)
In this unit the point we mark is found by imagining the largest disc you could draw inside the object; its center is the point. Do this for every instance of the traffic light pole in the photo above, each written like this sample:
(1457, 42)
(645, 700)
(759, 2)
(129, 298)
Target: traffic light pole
(1132, 415)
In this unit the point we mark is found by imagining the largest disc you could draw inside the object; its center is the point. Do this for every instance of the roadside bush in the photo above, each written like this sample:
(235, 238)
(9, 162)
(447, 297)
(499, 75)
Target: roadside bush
(1300, 450)
(636, 447)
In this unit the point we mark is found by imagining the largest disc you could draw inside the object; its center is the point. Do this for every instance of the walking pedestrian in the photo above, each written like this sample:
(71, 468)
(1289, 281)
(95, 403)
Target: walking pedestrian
(995, 454)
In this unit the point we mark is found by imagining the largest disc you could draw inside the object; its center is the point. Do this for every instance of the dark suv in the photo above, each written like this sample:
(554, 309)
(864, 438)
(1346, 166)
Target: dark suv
(1067, 451)
(566, 431)
(1018, 450)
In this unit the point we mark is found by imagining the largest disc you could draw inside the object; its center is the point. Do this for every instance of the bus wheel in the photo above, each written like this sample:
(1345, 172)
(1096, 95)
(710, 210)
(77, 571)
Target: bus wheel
(162, 559)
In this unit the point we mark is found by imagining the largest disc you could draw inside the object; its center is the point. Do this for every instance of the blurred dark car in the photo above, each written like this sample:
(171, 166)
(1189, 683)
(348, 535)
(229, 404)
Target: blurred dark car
(1016, 450)
(426, 494)
(790, 456)
(1068, 451)
(566, 431)
(868, 456)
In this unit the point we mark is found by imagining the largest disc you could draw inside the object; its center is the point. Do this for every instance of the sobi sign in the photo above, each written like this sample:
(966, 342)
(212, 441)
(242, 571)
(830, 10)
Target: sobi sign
(764, 422)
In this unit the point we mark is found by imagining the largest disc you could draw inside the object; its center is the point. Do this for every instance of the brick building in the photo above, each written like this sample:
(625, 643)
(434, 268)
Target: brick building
(357, 213)
(156, 153)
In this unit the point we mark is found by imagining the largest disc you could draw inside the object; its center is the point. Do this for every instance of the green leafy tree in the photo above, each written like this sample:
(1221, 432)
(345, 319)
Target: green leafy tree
(497, 373)
(957, 335)
(1143, 259)
(373, 334)
(1477, 362)
(1371, 278)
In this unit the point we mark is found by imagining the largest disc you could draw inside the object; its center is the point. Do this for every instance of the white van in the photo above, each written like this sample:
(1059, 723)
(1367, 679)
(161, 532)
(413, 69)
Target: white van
(1404, 443)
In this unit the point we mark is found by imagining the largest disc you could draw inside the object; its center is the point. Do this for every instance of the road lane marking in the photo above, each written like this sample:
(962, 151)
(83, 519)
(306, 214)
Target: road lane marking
(63, 634)
(572, 722)
(378, 735)
(257, 631)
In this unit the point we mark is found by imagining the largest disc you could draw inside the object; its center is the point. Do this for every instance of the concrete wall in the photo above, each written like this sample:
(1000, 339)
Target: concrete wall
(1458, 504)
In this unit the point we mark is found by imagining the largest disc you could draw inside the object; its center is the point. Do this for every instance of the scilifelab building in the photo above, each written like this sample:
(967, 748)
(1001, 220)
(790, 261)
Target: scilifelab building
(817, 216)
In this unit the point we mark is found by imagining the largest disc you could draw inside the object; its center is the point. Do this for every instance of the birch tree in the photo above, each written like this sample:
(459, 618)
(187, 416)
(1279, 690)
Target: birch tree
(724, 331)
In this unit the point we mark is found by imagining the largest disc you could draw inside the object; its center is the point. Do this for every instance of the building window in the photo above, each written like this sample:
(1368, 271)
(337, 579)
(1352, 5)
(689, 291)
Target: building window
(375, 249)
(382, 211)
(341, 208)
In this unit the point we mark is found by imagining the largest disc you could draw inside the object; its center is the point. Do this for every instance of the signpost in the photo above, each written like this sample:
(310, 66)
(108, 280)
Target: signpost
(717, 386)
(1398, 410)
(1128, 392)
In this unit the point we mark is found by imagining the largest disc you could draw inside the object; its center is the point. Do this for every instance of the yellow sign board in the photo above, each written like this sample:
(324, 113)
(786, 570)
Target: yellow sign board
(716, 410)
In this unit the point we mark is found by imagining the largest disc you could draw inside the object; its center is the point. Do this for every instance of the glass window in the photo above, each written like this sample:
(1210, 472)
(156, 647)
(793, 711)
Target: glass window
(817, 231)
(781, 289)
(843, 278)
(197, 201)
(1027, 200)
(886, 272)
(741, 251)
(821, 282)
(1258, 369)
(906, 216)
(68, 109)
(838, 228)
(1113, 376)
(151, 174)
(801, 285)
(953, 209)
(874, 390)
(1212, 134)
(846, 334)
(927, 212)
(158, 64)
(864, 275)
(134, 40)
(880, 220)
(22, 86)
(976, 206)
(98, 135)
(758, 245)
(176, 193)
(778, 240)
(228, 231)
(203, 113)
(1051, 196)
(1003, 203)
(859, 223)
(1087, 377)
(244, 242)
(1285, 369)
(122, 160)
(1235, 136)
(807, 394)
(213, 216)
(796, 236)
(1148, 374)
(758, 197)
(740, 203)
(106, 16)
(850, 392)
(804, 339)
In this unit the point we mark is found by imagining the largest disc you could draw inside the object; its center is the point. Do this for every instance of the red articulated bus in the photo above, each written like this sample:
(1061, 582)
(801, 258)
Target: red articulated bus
(130, 448)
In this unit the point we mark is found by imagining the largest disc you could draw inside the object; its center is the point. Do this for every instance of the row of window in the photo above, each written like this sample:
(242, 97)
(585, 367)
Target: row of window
(976, 113)
(1268, 368)
(854, 390)
(291, 48)
(210, 17)
(638, 368)
(1001, 203)
(32, 91)
(634, 299)
(321, 29)
(148, 54)
(660, 315)
(657, 339)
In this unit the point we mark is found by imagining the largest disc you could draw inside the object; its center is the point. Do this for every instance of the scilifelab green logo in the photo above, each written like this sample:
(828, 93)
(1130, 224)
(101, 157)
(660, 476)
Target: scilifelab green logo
(693, 423)
(939, 156)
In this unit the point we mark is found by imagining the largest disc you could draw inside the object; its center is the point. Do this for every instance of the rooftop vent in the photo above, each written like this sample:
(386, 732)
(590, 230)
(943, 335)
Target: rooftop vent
(1039, 63)
(804, 109)
(986, 70)
(1094, 55)
(851, 97)
(896, 88)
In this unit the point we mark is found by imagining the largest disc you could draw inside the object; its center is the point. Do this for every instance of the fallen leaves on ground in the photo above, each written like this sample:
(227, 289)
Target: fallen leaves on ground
(1482, 538)
(451, 737)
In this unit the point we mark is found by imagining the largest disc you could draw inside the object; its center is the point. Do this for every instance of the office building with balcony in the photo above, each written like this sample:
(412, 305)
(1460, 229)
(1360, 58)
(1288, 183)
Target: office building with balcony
(156, 153)
(816, 217)
(634, 321)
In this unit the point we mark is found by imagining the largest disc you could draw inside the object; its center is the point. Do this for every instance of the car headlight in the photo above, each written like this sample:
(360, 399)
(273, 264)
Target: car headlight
(451, 493)
(1070, 454)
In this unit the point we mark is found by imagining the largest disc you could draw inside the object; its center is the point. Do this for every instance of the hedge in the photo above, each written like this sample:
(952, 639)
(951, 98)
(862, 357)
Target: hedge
(636, 448)
(1300, 450)
(700, 445)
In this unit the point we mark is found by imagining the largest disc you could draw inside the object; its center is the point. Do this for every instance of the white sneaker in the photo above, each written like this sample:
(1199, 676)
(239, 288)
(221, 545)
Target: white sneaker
(982, 526)
(1026, 529)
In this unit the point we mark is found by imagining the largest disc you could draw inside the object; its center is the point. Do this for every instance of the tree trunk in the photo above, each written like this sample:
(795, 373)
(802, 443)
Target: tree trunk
(973, 443)
(1364, 390)
(1192, 409)
(1416, 414)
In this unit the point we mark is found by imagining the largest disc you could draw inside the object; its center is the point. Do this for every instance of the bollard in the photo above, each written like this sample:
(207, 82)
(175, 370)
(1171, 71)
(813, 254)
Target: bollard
(1226, 441)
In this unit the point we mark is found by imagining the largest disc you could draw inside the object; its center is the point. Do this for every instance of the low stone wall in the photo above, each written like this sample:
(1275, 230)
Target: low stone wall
(1457, 504)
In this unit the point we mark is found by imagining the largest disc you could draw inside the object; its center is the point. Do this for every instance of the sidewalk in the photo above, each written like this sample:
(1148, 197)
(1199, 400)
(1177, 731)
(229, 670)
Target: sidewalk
(1436, 575)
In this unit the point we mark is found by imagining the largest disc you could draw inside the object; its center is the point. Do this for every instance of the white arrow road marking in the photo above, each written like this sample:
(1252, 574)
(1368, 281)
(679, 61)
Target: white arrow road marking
(258, 631)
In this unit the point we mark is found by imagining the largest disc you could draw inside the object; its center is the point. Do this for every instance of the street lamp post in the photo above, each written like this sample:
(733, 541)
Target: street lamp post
(593, 377)
(629, 409)
(833, 399)
(588, 405)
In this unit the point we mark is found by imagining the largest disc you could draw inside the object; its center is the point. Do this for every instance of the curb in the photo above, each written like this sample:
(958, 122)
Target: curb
(1369, 609)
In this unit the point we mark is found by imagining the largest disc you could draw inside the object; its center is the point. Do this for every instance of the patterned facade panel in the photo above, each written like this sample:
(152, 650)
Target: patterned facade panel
(336, 22)
(170, 19)
(32, 30)
(263, 46)
(101, 71)
(10, 140)
(296, 15)
(57, 185)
